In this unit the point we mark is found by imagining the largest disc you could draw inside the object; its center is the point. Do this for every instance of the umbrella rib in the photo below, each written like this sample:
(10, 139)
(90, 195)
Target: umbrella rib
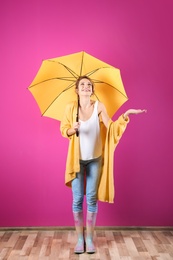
(66, 79)
(74, 74)
(102, 82)
(70, 86)
(93, 71)
(82, 63)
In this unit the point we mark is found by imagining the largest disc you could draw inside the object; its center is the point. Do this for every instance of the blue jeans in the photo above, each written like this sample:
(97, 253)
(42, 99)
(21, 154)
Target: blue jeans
(92, 170)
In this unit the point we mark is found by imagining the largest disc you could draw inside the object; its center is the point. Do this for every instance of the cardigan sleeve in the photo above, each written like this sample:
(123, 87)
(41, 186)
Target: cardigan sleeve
(118, 128)
(72, 161)
(114, 133)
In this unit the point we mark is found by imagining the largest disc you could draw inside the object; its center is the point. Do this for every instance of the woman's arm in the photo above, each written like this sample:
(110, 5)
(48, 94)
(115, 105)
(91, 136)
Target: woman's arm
(106, 118)
(103, 112)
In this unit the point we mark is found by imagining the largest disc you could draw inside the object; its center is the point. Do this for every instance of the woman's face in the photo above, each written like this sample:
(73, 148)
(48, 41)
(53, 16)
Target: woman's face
(84, 87)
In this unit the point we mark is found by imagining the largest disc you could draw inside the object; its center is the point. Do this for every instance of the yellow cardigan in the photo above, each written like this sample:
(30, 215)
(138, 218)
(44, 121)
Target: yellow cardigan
(110, 138)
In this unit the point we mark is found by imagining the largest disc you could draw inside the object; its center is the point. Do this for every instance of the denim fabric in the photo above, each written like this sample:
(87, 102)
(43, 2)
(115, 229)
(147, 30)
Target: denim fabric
(92, 170)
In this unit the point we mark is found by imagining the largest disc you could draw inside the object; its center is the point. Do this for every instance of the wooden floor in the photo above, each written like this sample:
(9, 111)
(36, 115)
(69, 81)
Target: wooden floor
(110, 244)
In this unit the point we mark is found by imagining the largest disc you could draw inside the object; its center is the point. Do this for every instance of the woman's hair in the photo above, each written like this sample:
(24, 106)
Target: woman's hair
(84, 77)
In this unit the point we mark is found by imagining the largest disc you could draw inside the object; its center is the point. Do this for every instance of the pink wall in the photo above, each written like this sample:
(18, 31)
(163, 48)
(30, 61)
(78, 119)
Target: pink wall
(135, 36)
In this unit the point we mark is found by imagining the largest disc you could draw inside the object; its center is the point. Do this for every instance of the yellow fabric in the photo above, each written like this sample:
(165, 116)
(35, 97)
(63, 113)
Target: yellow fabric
(110, 138)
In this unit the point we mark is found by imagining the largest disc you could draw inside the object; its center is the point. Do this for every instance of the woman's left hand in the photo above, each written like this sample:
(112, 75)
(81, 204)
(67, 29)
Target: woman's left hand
(134, 111)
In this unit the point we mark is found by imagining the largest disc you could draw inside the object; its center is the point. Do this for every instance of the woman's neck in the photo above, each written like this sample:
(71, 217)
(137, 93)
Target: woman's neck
(84, 102)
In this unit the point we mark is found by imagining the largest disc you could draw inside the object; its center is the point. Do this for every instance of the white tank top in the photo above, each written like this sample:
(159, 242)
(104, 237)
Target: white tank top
(89, 136)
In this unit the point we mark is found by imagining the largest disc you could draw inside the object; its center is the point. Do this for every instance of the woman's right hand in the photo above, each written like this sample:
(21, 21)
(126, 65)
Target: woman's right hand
(76, 126)
(74, 129)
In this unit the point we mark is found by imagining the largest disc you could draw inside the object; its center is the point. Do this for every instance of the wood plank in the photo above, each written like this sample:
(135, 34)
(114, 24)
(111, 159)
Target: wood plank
(130, 245)
(139, 244)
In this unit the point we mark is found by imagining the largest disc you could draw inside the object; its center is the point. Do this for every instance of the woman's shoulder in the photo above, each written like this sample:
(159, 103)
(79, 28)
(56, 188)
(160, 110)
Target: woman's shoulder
(95, 102)
(101, 107)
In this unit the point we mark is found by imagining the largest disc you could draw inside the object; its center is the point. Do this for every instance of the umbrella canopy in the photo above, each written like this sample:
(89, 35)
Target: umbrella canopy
(54, 85)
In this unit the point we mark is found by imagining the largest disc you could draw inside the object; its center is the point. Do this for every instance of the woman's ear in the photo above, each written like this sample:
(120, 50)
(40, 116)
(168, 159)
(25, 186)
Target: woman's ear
(76, 90)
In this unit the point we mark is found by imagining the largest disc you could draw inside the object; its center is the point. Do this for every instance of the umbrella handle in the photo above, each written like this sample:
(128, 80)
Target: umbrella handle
(77, 117)
(77, 133)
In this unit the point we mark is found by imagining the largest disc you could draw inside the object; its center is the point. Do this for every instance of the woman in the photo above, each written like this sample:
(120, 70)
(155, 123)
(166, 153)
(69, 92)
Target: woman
(85, 156)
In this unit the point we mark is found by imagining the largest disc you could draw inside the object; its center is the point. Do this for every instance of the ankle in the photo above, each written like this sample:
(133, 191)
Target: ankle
(89, 238)
(80, 239)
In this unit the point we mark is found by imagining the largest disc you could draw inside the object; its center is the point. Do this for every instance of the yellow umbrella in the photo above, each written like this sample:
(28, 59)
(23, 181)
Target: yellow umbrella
(54, 85)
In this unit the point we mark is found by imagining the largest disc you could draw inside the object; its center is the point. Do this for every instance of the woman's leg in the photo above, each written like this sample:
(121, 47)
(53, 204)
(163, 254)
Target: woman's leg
(93, 172)
(78, 195)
